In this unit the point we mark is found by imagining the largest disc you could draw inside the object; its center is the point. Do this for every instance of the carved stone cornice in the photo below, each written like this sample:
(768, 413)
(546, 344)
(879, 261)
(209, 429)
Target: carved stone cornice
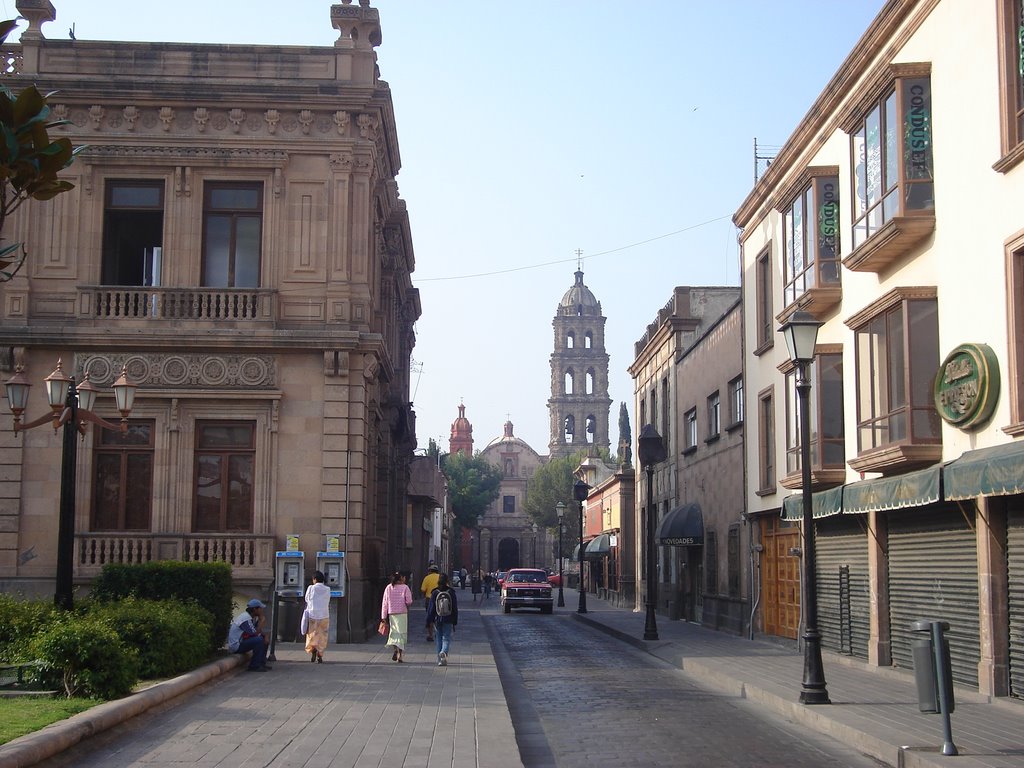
(182, 371)
(274, 158)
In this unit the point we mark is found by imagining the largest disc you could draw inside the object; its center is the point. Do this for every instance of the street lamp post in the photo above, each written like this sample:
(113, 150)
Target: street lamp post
(579, 492)
(560, 510)
(651, 451)
(534, 545)
(801, 333)
(70, 408)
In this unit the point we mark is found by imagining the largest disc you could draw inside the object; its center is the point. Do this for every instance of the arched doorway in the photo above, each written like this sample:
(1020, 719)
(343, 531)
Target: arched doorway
(508, 554)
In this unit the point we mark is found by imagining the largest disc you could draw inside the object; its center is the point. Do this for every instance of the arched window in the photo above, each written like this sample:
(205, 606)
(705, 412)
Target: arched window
(569, 427)
(590, 381)
(570, 382)
(588, 340)
(591, 428)
(570, 340)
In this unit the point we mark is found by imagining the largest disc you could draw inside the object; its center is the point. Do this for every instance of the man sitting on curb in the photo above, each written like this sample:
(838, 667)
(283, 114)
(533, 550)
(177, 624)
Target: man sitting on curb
(245, 634)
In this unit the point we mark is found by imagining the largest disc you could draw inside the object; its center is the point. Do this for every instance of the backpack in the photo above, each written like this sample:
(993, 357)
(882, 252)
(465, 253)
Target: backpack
(443, 604)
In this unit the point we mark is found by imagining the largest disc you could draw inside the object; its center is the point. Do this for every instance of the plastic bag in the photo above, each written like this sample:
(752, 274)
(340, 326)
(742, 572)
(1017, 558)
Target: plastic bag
(304, 622)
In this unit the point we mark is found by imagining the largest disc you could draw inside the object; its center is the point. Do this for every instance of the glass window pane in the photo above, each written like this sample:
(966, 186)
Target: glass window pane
(234, 198)
(873, 158)
(107, 492)
(860, 196)
(924, 350)
(136, 195)
(240, 474)
(892, 143)
(208, 493)
(216, 257)
(213, 436)
(138, 494)
(917, 128)
(247, 252)
(827, 228)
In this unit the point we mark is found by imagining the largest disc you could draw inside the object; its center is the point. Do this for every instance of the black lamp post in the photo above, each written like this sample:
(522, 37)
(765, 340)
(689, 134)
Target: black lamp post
(560, 510)
(801, 332)
(579, 492)
(651, 451)
(71, 408)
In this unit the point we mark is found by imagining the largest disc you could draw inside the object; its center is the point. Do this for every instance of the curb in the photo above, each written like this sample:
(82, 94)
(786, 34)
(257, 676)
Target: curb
(35, 747)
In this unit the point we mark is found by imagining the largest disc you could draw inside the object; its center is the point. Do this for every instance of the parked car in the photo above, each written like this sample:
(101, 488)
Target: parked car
(526, 588)
(554, 580)
(500, 577)
(456, 580)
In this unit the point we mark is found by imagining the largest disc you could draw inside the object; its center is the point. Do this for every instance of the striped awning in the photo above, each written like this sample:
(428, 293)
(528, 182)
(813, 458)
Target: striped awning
(995, 471)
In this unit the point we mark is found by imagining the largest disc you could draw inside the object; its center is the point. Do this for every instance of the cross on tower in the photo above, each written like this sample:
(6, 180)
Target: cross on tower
(579, 259)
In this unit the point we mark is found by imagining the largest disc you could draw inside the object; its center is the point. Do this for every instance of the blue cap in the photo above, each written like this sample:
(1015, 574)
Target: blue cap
(254, 603)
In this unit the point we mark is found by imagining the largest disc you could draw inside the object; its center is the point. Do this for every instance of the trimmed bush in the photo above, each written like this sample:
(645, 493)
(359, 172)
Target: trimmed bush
(207, 585)
(85, 657)
(170, 637)
(20, 620)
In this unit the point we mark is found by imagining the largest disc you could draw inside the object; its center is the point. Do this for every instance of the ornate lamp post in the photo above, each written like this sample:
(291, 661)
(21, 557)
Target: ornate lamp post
(801, 332)
(579, 492)
(479, 545)
(71, 408)
(650, 451)
(560, 510)
(534, 545)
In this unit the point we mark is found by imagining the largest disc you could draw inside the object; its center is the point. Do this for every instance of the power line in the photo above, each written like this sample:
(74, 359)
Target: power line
(564, 261)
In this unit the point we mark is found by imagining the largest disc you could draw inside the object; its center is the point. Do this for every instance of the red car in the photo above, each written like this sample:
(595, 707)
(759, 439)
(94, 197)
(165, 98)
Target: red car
(526, 588)
(554, 580)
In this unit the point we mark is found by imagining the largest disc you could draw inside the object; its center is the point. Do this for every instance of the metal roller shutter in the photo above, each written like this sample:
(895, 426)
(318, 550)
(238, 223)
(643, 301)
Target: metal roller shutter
(844, 595)
(1015, 560)
(933, 574)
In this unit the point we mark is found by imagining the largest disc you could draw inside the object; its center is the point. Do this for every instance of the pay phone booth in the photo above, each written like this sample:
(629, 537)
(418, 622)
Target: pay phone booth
(332, 566)
(289, 585)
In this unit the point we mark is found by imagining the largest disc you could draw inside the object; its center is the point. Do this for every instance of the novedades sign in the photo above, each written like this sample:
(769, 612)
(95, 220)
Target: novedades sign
(967, 386)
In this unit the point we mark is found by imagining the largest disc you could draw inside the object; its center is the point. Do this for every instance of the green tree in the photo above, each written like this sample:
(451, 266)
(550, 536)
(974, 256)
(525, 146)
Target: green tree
(550, 484)
(29, 161)
(473, 484)
(625, 437)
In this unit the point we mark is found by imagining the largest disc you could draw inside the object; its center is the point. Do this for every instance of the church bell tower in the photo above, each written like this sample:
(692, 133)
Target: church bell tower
(579, 404)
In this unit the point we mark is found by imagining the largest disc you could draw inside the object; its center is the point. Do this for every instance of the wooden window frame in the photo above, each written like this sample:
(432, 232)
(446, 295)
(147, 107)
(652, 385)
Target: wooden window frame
(109, 442)
(226, 453)
(235, 214)
(1014, 250)
(764, 318)
(1011, 84)
(766, 450)
(911, 447)
(736, 403)
(714, 416)
(690, 431)
(823, 474)
(815, 284)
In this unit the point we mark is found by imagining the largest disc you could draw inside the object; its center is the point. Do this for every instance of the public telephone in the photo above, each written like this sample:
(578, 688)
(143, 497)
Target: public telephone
(289, 574)
(332, 565)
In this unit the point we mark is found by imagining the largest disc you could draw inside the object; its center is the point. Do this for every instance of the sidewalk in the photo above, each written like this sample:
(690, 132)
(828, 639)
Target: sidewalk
(873, 710)
(358, 708)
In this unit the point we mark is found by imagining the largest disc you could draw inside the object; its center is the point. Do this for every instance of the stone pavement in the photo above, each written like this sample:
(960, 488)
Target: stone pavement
(358, 708)
(874, 710)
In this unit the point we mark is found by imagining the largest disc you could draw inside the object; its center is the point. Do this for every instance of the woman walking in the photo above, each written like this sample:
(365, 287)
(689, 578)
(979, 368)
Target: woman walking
(394, 609)
(318, 601)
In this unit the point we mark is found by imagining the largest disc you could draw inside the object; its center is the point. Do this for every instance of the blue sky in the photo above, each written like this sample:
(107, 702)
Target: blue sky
(529, 130)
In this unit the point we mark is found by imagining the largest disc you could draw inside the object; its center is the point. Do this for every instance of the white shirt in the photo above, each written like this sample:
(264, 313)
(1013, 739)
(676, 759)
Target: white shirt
(318, 601)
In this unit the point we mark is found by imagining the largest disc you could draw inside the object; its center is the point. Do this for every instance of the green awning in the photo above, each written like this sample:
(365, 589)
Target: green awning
(913, 489)
(995, 471)
(598, 547)
(823, 504)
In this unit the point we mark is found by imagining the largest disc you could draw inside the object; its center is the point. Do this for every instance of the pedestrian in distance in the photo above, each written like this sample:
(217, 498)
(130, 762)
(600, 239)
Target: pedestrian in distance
(488, 581)
(427, 587)
(443, 615)
(463, 577)
(394, 609)
(246, 634)
(317, 617)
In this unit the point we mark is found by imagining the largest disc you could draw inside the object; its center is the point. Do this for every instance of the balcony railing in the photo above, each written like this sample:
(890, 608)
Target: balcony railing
(149, 303)
(250, 556)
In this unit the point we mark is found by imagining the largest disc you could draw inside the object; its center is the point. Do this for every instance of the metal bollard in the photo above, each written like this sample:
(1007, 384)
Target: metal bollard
(933, 675)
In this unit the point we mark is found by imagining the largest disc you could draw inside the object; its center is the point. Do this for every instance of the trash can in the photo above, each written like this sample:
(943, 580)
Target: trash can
(926, 660)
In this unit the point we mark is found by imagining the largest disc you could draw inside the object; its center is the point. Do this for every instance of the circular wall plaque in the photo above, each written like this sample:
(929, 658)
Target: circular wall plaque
(967, 386)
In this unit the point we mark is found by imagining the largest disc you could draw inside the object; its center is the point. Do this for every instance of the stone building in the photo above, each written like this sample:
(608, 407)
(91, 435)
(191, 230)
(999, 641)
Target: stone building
(688, 384)
(892, 217)
(235, 241)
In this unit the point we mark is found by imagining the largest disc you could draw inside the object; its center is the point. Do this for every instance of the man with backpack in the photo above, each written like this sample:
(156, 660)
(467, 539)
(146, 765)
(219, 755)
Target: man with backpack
(443, 615)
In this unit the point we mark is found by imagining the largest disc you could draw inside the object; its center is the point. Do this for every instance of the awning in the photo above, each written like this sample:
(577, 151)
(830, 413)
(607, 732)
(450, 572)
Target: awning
(913, 489)
(576, 553)
(683, 527)
(995, 471)
(598, 547)
(823, 504)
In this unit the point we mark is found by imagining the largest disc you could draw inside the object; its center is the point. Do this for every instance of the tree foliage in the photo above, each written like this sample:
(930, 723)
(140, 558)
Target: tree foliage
(625, 436)
(550, 484)
(473, 484)
(29, 161)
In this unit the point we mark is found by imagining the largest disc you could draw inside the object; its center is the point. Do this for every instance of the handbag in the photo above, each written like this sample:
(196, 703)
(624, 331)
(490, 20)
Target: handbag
(304, 622)
(382, 628)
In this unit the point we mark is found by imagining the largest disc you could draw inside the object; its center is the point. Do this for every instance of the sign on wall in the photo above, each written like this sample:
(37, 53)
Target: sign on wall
(967, 386)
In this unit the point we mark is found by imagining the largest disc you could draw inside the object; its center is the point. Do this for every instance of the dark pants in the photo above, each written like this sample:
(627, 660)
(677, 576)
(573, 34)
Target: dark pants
(258, 648)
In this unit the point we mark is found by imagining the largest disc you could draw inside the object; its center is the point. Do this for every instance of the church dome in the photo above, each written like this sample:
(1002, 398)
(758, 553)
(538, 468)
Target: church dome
(461, 427)
(579, 300)
(508, 439)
